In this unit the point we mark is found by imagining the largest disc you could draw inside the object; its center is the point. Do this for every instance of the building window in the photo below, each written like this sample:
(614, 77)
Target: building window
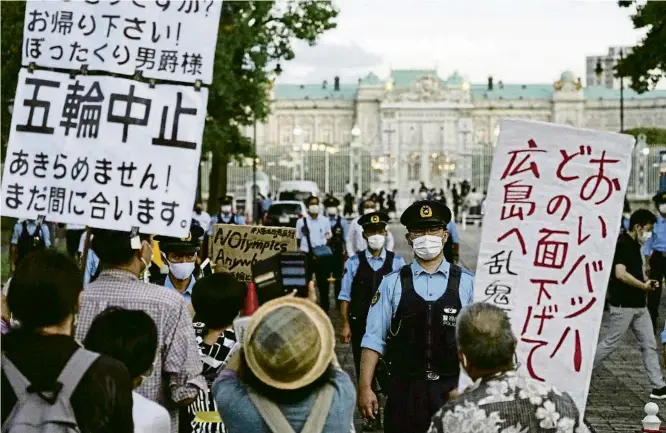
(414, 168)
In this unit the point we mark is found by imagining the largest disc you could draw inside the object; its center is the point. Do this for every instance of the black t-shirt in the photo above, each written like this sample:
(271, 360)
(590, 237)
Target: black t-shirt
(627, 253)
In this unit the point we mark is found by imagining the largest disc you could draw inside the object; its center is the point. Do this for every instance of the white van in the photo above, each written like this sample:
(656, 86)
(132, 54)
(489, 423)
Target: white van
(297, 190)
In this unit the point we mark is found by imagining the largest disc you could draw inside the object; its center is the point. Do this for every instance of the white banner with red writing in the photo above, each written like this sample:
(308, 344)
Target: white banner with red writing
(552, 220)
(104, 151)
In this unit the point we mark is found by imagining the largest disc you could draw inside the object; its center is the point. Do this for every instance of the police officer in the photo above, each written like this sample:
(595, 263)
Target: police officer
(412, 322)
(337, 241)
(655, 251)
(181, 256)
(28, 236)
(226, 215)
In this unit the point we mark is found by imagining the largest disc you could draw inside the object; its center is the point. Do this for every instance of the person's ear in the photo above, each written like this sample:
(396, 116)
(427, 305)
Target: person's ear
(409, 241)
(445, 237)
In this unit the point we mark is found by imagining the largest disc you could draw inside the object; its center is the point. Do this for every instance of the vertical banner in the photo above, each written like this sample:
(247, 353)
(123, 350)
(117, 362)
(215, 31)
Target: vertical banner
(104, 152)
(552, 220)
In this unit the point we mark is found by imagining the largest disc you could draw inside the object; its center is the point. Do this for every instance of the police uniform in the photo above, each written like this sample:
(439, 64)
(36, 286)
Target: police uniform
(412, 322)
(337, 242)
(655, 250)
(362, 274)
(190, 244)
(220, 218)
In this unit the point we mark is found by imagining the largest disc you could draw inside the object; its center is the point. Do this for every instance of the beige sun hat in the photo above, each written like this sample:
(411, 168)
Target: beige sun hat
(289, 343)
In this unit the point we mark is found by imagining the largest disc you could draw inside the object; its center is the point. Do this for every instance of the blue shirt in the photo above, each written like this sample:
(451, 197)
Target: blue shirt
(351, 267)
(215, 219)
(18, 229)
(319, 228)
(453, 232)
(658, 239)
(428, 286)
(187, 294)
(266, 203)
(241, 415)
(333, 220)
(92, 263)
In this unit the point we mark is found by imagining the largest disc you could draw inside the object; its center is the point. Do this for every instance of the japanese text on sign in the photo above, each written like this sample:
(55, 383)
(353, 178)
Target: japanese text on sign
(170, 40)
(555, 200)
(236, 248)
(105, 152)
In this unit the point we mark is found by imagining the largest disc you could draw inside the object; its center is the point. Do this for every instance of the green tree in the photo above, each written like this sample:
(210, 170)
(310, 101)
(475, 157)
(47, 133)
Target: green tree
(646, 65)
(254, 36)
(653, 136)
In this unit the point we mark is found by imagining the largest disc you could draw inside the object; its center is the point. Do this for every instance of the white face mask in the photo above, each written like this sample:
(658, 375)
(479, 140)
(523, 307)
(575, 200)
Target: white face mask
(368, 210)
(313, 208)
(376, 242)
(181, 271)
(332, 210)
(662, 208)
(427, 247)
(226, 208)
(646, 236)
(627, 215)
(423, 194)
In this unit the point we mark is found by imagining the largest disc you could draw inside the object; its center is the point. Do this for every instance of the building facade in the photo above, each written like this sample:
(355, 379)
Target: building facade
(415, 126)
(606, 76)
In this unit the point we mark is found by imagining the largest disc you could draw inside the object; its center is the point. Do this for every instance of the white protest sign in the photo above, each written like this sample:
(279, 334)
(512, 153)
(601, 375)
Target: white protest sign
(103, 151)
(552, 220)
(169, 40)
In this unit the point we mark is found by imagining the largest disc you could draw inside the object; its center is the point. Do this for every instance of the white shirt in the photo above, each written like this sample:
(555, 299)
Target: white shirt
(356, 242)
(75, 227)
(149, 417)
(203, 220)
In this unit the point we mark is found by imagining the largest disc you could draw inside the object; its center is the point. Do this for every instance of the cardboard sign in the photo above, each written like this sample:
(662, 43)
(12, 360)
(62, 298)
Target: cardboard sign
(552, 220)
(104, 152)
(235, 248)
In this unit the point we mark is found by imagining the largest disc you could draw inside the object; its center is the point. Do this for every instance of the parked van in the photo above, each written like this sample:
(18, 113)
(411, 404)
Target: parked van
(297, 190)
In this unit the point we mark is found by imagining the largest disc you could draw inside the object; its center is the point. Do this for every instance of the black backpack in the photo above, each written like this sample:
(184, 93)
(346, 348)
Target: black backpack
(28, 243)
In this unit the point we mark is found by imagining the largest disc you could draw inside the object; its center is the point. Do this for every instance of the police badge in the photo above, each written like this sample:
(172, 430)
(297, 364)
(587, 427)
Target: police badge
(375, 298)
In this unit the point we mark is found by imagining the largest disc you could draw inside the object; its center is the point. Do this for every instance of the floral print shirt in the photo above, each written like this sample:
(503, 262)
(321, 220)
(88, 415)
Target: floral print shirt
(509, 403)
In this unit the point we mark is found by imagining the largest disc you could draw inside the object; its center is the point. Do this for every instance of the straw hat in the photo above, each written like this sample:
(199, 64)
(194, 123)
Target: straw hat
(289, 343)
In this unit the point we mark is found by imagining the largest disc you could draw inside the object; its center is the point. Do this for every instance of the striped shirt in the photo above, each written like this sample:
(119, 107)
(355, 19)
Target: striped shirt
(177, 370)
(214, 358)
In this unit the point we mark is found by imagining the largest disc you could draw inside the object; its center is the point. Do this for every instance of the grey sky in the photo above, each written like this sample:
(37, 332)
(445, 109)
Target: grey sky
(517, 41)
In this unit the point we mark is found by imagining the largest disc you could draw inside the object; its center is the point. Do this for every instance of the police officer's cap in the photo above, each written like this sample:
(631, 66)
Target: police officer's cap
(226, 199)
(373, 218)
(660, 197)
(331, 201)
(424, 214)
(189, 244)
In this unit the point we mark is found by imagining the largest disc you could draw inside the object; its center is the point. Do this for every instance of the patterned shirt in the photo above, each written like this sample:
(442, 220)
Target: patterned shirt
(509, 403)
(214, 358)
(177, 370)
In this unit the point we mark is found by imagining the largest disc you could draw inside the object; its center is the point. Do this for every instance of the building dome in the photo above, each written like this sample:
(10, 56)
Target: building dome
(567, 77)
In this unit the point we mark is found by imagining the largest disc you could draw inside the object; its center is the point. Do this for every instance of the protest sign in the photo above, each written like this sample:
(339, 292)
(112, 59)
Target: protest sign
(103, 151)
(235, 248)
(552, 220)
(169, 40)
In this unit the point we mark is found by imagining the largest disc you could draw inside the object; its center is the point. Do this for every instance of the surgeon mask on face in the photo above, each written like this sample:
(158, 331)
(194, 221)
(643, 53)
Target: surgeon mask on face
(313, 209)
(662, 208)
(368, 210)
(645, 236)
(225, 208)
(376, 242)
(332, 210)
(181, 271)
(423, 195)
(428, 247)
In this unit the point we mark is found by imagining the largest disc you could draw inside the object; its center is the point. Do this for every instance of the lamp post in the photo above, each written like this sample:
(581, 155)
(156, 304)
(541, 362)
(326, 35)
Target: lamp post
(643, 151)
(355, 133)
(297, 133)
(599, 70)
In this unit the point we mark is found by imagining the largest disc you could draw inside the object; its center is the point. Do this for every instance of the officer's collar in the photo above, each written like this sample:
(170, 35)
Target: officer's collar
(660, 219)
(443, 268)
(169, 285)
(369, 256)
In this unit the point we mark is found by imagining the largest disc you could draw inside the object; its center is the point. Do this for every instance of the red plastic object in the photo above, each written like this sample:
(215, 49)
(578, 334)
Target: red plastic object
(251, 302)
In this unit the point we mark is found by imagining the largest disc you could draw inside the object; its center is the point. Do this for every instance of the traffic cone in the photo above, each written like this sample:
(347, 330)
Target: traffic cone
(251, 302)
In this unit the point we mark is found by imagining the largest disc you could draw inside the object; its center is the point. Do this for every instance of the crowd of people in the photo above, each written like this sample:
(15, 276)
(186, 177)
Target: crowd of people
(136, 349)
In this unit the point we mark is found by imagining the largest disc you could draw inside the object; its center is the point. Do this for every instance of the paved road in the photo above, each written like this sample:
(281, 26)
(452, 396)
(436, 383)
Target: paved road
(619, 388)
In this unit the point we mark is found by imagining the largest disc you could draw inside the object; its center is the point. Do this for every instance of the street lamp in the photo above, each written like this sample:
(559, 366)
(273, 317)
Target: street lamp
(355, 133)
(599, 70)
(297, 133)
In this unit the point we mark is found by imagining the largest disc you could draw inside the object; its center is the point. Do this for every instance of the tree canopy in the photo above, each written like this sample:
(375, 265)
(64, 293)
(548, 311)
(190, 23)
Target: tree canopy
(253, 38)
(653, 136)
(646, 64)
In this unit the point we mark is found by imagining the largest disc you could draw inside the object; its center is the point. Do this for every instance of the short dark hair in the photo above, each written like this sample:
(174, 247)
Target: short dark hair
(312, 197)
(217, 299)
(641, 217)
(45, 289)
(113, 247)
(129, 336)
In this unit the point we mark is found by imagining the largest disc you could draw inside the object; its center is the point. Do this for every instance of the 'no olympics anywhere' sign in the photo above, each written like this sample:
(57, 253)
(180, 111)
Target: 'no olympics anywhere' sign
(166, 39)
(104, 152)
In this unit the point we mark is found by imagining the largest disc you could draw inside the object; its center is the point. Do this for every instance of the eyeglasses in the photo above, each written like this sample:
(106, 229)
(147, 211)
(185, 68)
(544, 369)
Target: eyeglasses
(433, 231)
